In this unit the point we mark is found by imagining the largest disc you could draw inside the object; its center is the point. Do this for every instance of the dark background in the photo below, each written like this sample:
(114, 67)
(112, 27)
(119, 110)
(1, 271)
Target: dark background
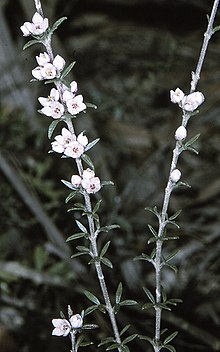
(129, 55)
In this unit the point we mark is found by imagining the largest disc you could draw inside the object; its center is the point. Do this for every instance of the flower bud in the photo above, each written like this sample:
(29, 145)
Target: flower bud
(76, 321)
(176, 96)
(76, 180)
(175, 175)
(192, 101)
(180, 133)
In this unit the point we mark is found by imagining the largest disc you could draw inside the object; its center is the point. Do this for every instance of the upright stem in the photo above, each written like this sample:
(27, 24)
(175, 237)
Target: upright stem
(88, 205)
(168, 190)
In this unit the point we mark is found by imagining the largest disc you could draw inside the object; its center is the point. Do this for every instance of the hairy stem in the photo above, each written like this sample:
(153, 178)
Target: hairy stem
(88, 205)
(168, 190)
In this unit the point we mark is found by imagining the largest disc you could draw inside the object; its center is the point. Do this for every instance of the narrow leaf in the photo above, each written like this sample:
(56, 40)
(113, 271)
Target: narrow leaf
(118, 293)
(52, 127)
(68, 184)
(128, 302)
(83, 249)
(106, 262)
(192, 140)
(154, 233)
(68, 69)
(170, 337)
(81, 226)
(104, 249)
(58, 23)
(129, 338)
(124, 329)
(30, 42)
(91, 297)
(170, 348)
(108, 228)
(75, 236)
(92, 144)
(149, 295)
(71, 195)
(174, 216)
(88, 161)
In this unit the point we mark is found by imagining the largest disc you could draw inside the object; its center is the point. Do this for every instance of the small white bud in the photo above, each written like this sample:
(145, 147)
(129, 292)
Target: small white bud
(76, 321)
(192, 101)
(176, 96)
(180, 133)
(175, 175)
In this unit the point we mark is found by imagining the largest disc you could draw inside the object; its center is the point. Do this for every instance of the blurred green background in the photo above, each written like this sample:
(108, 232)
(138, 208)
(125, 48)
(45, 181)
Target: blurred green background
(129, 54)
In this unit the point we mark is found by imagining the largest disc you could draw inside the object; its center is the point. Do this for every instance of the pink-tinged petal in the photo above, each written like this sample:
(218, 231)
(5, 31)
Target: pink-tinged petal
(73, 86)
(48, 71)
(57, 147)
(37, 18)
(44, 101)
(74, 150)
(59, 62)
(47, 111)
(36, 72)
(87, 174)
(76, 321)
(67, 95)
(43, 59)
(76, 181)
(25, 30)
(82, 139)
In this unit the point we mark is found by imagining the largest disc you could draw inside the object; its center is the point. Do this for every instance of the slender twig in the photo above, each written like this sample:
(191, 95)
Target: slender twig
(169, 187)
(88, 205)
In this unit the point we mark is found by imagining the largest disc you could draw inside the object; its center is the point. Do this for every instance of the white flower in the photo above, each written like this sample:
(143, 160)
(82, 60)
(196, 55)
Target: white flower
(42, 59)
(61, 327)
(76, 181)
(59, 62)
(176, 96)
(53, 96)
(75, 105)
(48, 71)
(76, 321)
(82, 139)
(36, 72)
(180, 133)
(87, 174)
(192, 101)
(54, 110)
(62, 140)
(91, 185)
(73, 86)
(74, 150)
(67, 95)
(175, 175)
(37, 27)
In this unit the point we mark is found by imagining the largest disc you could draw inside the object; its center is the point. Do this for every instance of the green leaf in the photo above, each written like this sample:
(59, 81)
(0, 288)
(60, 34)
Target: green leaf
(154, 211)
(144, 256)
(106, 340)
(31, 42)
(77, 254)
(97, 206)
(81, 226)
(88, 161)
(90, 105)
(71, 195)
(91, 297)
(147, 338)
(107, 183)
(154, 233)
(52, 127)
(90, 309)
(129, 338)
(124, 329)
(89, 326)
(192, 141)
(175, 215)
(170, 348)
(149, 295)
(57, 24)
(83, 249)
(104, 249)
(68, 69)
(106, 262)
(147, 306)
(118, 293)
(69, 184)
(91, 144)
(170, 337)
(108, 228)
(114, 345)
(75, 236)
(128, 302)
(50, 81)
